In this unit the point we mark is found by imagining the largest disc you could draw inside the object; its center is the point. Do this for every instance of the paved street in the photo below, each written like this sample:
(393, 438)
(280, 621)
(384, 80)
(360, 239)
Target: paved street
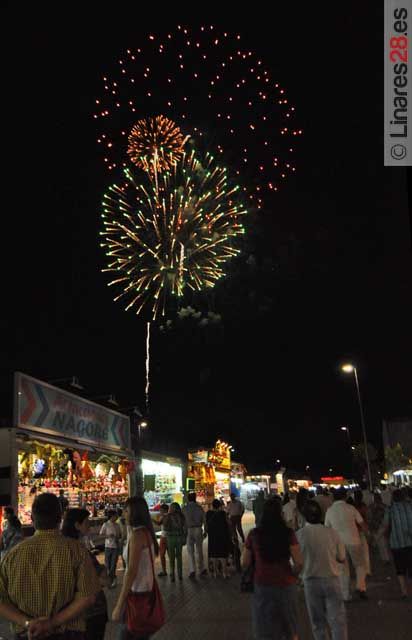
(211, 608)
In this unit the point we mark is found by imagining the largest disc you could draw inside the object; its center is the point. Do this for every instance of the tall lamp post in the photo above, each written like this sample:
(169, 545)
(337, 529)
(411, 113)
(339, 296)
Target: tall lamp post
(347, 430)
(350, 368)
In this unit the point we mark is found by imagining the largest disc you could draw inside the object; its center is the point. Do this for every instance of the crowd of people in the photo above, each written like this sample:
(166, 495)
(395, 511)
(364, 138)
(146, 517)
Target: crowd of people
(53, 585)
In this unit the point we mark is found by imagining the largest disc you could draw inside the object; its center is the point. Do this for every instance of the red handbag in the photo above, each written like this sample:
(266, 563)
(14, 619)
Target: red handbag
(144, 611)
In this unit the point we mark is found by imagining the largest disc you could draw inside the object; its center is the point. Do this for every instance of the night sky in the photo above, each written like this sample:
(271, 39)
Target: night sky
(331, 276)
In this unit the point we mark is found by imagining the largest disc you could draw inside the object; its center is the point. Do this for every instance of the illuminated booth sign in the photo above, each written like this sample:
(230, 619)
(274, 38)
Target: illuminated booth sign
(47, 409)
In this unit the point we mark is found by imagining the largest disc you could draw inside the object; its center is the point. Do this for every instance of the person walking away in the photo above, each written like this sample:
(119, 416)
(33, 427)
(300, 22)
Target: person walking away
(111, 531)
(324, 501)
(235, 510)
(12, 533)
(139, 552)
(164, 509)
(301, 500)
(323, 556)
(289, 510)
(346, 520)
(360, 505)
(76, 525)
(257, 506)
(271, 547)
(398, 527)
(219, 538)
(375, 519)
(63, 501)
(195, 522)
(386, 494)
(176, 533)
(367, 497)
(47, 582)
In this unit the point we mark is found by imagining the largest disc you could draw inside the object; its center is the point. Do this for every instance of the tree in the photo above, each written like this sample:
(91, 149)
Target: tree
(395, 458)
(360, 464)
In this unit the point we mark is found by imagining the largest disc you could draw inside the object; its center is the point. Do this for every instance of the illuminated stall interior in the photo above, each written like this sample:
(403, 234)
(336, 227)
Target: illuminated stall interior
(163, 482)
(90, 479)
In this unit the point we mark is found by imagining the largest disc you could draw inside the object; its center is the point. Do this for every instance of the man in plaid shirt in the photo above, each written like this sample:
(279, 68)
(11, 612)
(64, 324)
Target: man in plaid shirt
(47, 581)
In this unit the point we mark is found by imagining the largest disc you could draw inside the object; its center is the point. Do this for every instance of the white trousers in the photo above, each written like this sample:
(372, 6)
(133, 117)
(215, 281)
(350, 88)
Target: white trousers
(366, 556)
(356, 554)
(380, 541)
(195, 540)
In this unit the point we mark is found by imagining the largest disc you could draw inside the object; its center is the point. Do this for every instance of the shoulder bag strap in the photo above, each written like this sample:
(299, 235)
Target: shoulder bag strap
(148, 538)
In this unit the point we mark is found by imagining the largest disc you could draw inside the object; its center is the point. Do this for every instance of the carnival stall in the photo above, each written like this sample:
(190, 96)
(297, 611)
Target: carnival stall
(60, 441)
(209, 472)
(162, 479)
(238, 473)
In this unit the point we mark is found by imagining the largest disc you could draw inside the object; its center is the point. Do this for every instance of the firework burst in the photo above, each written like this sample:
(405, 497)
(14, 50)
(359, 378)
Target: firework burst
(215, 87)
(164, 240)
(155, 144)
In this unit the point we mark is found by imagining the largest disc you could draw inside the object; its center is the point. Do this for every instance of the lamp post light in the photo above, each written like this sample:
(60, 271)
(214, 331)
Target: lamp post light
(141, 425)
(351, 448)
(350, 368)
(138, 419)
(347, 433)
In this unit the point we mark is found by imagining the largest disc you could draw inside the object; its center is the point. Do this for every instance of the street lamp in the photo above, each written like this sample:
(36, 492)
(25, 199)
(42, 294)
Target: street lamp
(138, 419)
(350, 445)
(350, 368)
(347, 433)
(141, 425)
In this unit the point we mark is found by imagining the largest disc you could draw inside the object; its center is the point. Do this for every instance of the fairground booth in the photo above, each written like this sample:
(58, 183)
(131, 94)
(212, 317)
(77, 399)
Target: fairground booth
(162, 479)
(208, 473)
(253, 485)
(60, 441)
(238, 473)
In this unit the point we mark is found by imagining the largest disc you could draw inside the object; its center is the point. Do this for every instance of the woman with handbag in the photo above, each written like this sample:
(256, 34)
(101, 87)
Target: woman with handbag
(174, 524)
(139, 608)
(270, 548)
(76, 525)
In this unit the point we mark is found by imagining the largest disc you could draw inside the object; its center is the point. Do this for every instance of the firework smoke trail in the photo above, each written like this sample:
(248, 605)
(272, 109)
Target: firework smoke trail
(147, 367)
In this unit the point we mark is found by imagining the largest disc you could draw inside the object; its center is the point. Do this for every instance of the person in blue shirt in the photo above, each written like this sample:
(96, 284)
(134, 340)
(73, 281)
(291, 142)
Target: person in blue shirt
(398, 522)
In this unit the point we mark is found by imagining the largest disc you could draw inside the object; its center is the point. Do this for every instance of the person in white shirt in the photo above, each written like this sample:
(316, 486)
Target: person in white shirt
(323, 556)
(195, 522)
(347, 521)
(324, 501)
(235, 510)
(113, 535)
(289, 511)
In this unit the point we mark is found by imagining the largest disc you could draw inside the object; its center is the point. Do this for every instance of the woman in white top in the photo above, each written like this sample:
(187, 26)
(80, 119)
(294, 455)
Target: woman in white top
(139, 575)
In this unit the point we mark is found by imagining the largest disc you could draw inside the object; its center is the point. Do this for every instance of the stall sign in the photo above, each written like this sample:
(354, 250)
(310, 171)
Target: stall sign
(198, 457)
(44, 408)
(219, 456)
